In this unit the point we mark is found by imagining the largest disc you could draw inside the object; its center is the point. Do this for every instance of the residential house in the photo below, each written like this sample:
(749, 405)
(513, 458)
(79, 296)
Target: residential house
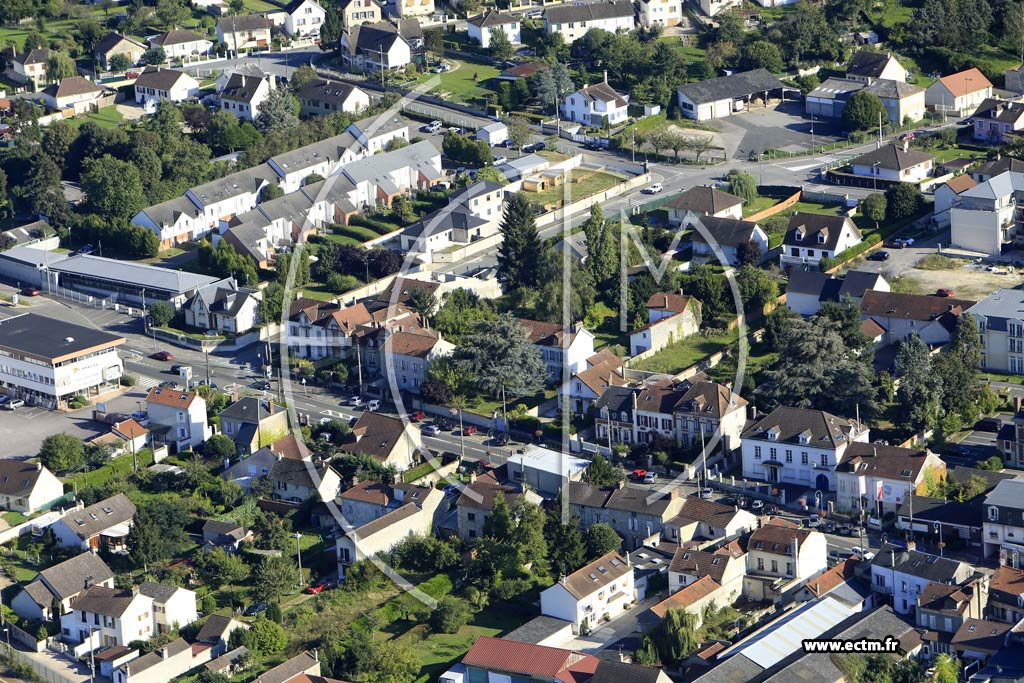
(374, 134)
(476, 215)
(901, 574)
(244, 33)
(812, 237)
(695, 599)
(117, 44)
(713, 8)
(841, 583)
(960, 93)
(77, 93)
(368, 48)
(378, 179)
(799, 446)
(408, 356)
(493, 134)
(879, 478)
(476, 503)
(902, 101)
(997, 166)
(247, 471)
(703, 201)
(411, 9)
(671, 318)
(947, 196)
(597, 106)
(544, 470)
(662, 12)
(942, 609)
(549, 339)
(977, 640)
(1006, 595)
(807, 290)
(717, 98)
(222, 306)
(650, 567)
(162, 664)
(725, 565)
(303, 18)
(155, 84)
(484, 24)
(57, 586)
(613, 418)
(708, 408)
(868, 67)
(388, 440)
(829, 99)
(219, 200)
(102, 525)
(710, 235)
(598, 591)
(324, 96)
(299, 669)
(31, 66)
(997, 120)
(702, 521)
(366, 501)
(179, 43)
(932, 318)
(985, 218)
(574, 21)
(1000, 319)
(1004, 520)
(295, 481)
(227, 536)
(635, 514)
(174, 221)
(414, 518)
(173, 606)
(498, 659)
(585, 388)
(526, 70)
(893, 163)
(243, 95)
(103, 617)
(216, 632)
(355, 12)
(253, 422)
(177, 418)
(28, 487)
(319, 330)
(780, 558)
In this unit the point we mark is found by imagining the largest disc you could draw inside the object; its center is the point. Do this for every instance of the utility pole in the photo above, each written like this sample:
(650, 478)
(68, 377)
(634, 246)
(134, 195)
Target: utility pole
(207, 352)
(879, 130)
(359, 368)
(298, 551)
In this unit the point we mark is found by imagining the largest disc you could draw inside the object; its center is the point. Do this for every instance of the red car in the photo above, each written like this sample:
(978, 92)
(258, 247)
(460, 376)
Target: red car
(469, 431)
(906, 137)
(417, 415)
(30, 291)
(162, 355)
(639, 474)
(320, 586)
(945, 292)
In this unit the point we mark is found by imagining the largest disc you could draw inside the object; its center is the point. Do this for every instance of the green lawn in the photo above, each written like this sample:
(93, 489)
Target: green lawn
(438, 651)
(108, 117)
(465, 82)
(759, 204)
(684, 353)
(341, 239)
(812, 207)
(487, 406)
(590, 185)
(943, 155)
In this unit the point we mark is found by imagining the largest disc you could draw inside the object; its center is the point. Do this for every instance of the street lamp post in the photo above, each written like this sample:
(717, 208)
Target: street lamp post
(298, 551)
(938, 528)
(874, 176)
(304, 390)
(817, 500)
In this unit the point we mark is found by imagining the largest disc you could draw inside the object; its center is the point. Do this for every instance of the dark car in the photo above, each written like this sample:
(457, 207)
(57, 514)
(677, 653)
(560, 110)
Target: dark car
(258, 608)
(988, 424)
(727, 501)
(829, 527)
(30, 291)
(501, 439)
(845, 530)
(879, 256)
(162, 355)
(262, 386)
(944, 292)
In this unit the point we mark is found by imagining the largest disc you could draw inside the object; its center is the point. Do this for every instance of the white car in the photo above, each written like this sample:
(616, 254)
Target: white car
(373, 406)
(856, 551)
(356, 401)
(14, 404)
(432, 127)
(430, 430)
(455, 129)
(650, 478)
(498, 161)
(814, 522)
(653, 189)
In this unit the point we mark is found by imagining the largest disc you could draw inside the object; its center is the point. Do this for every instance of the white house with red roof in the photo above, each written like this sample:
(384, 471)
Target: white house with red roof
(596, 105)
(960, 93)
(177, 418)
(670, 317)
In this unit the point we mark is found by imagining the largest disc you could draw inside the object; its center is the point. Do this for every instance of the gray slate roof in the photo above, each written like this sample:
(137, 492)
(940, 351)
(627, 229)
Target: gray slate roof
(893, 158)
(69, 577)
(91, 520)
(824, 430)
(814, 223)
(588, 12)
(158, 78)
(241, 88)
(893, 90)
(245, 22)
(728, 232)
(728, 87)
(916, 563)
(537, 629)
(868, 64)
(175, 281)
(160, 592)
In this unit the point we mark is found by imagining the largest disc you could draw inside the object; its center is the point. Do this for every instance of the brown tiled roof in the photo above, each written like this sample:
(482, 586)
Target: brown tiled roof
(605, 355)
(871, 329)
(940, 596)
(111, 602)
(707, 511)
(418, 344)
(542, 333)
(866, 63)
(171, 397)
(981, 634)
(703, 200)
(700, 563)
(833, 578)
(777, 538)
(525, 70)
(497, 654)
(288, 670)
(596, 575)
(701, 588)
(375, 434)
(965, 82)
(384, 521)
(1007, 580)
(381, 493)
(878, 460)
(404, 285)
(710, 398)
(658, 397)
(481, 494)
(130, 428)
(961, 183)
(290, 448)
(668, 301)
(602, 92)
(599, 377)
(911, 306)
(18, 478)
(349, 317)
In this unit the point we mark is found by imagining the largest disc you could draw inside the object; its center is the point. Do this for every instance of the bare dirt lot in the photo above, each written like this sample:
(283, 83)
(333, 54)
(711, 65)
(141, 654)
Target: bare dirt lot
(967, 283)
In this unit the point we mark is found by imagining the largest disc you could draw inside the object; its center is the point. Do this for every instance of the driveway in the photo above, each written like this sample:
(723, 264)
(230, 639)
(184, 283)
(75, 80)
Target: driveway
(783, 127)
(613, 631)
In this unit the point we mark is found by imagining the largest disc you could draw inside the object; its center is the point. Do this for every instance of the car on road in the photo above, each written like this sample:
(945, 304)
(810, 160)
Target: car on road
(907, 137)
(162, 355)
(650, 478)
(728, 500)
(430, 429)
(771, 510)
(534, 14)
(30, 291)
(814, 522)
(639, 474)
(591, 146)
(879, 256)
(829, 527)
(944, 292)
(756, 505)
(988, 424)
(355, 401)
(417, 415)
(261, 386)
(653, 189)
(535, 146)
(501, 439)
(498, 161)
(432, 127)
(13, 404)
(373, 406)
(845, 530)
(705, 493)
(168, 384)
(257, 608)
(856, 551)
(469, 430)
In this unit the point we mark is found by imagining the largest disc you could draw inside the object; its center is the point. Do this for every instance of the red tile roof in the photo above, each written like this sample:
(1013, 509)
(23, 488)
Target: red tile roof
(175, 398)
(701, 588)
(496, 654)
(833, 578)
(965, 82)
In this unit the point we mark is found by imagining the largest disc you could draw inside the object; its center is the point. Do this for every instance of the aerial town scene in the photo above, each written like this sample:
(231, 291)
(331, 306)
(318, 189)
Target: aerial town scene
(511, 341)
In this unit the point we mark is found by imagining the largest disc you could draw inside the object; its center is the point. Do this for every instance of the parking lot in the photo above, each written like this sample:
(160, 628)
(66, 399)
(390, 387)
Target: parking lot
(783, 127)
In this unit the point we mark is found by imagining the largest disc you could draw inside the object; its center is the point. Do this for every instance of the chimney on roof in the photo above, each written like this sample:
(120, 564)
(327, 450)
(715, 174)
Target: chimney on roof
(39, 467)
(316, 655)
(88, 582)
(620, 484)
(606, 76)
(1017, 400)
(906, 145)
(911, 545)
(355, 479)
(163, 652)
(665, 299)
(472, 477)
(280, 456)
(816, 587)
(270, 406)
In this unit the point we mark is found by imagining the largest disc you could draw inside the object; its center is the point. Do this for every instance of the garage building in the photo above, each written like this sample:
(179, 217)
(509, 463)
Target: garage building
(717, 98)
(829, 99)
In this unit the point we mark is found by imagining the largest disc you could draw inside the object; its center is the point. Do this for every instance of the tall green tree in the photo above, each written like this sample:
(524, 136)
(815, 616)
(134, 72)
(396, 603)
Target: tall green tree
(601, 472)
(566, 550)
(947, 669)
(873, 207)
(499, 355)
(330, 30)
(743, 185)
(552, 84)
(521, 249)
(529, 534)
(59, 66)
(113, 187)
(278, 113)
(903, 200)
(600, 540)
(501, 47)
(602, 259)
(675, 637)
(862, 111)
(761, 54)
(273, 576)
(61, 453)
(919, 397)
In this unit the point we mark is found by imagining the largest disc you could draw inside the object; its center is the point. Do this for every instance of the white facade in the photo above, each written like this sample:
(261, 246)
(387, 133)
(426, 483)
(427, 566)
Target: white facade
(811, 558)
(573, 27)
(182, 89)
(104, 630)
(187, 422)
(410, 9)
(249, 108)
(811, 251)
(199, 46)
(661, 12)
(482, 34)
(382, 534)
(585, 610)
(305, 20)
(911, 174)
(589, 107)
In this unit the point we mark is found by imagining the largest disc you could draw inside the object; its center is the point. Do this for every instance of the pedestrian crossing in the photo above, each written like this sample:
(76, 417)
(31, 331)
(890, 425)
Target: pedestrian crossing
(148, 382)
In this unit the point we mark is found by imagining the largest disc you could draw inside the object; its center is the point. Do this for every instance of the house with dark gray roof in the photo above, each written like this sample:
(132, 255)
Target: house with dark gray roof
(163, 664)
(828, 100)
(573, 21)
(242, 95)
(117, 44)
(900, 575)
(324, 96)
(28, 487)
(895, 163)
(217, 630)
(104, 524)
(542, 630)
(244, 32)
(702, 200)
(1004, 517)
(294, 481)
(179, 43)
(482, 27)
(157, 84)
(807, 290)
(932, 318)
(636, 514)
(867, 67)
(812, 237)
(719, 97)
(902, 100)
(59, 585)
(710, 237)
(370, 47)
(253, 422)
(798, 445)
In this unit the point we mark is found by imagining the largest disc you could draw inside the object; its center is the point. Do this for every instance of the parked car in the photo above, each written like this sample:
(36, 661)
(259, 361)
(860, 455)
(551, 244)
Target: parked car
(14, 404)
(829, 527)
(814, 522)
(455, 129)
(650, 478)
(469, 430)
(320, 586)
(945, 292)
(498, 161)
(728, 500)
(653, 189)
(988, 424)
(162, 355)
(501, 439)
(432, 127)
(356, 401)
(639, 474)
(417, 415)
(5, 398)
(430, 430)
(30, 291)
(879, 256)
(261, 386)
(705, 492)
(257, 608)
(373, 406)
(534, 146)
(907, 137)
(756, 505)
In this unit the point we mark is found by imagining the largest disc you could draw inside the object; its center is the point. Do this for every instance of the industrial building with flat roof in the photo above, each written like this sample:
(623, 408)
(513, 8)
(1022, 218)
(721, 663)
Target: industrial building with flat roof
(46, 361)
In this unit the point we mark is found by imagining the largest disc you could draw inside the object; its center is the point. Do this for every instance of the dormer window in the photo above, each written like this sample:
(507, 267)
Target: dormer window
(821, 238)
(993, 513)
(799, 235)
(773, 434)
(805, 438)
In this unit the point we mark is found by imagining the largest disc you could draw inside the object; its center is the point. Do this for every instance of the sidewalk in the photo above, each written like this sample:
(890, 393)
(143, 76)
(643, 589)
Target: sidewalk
(613, 631)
